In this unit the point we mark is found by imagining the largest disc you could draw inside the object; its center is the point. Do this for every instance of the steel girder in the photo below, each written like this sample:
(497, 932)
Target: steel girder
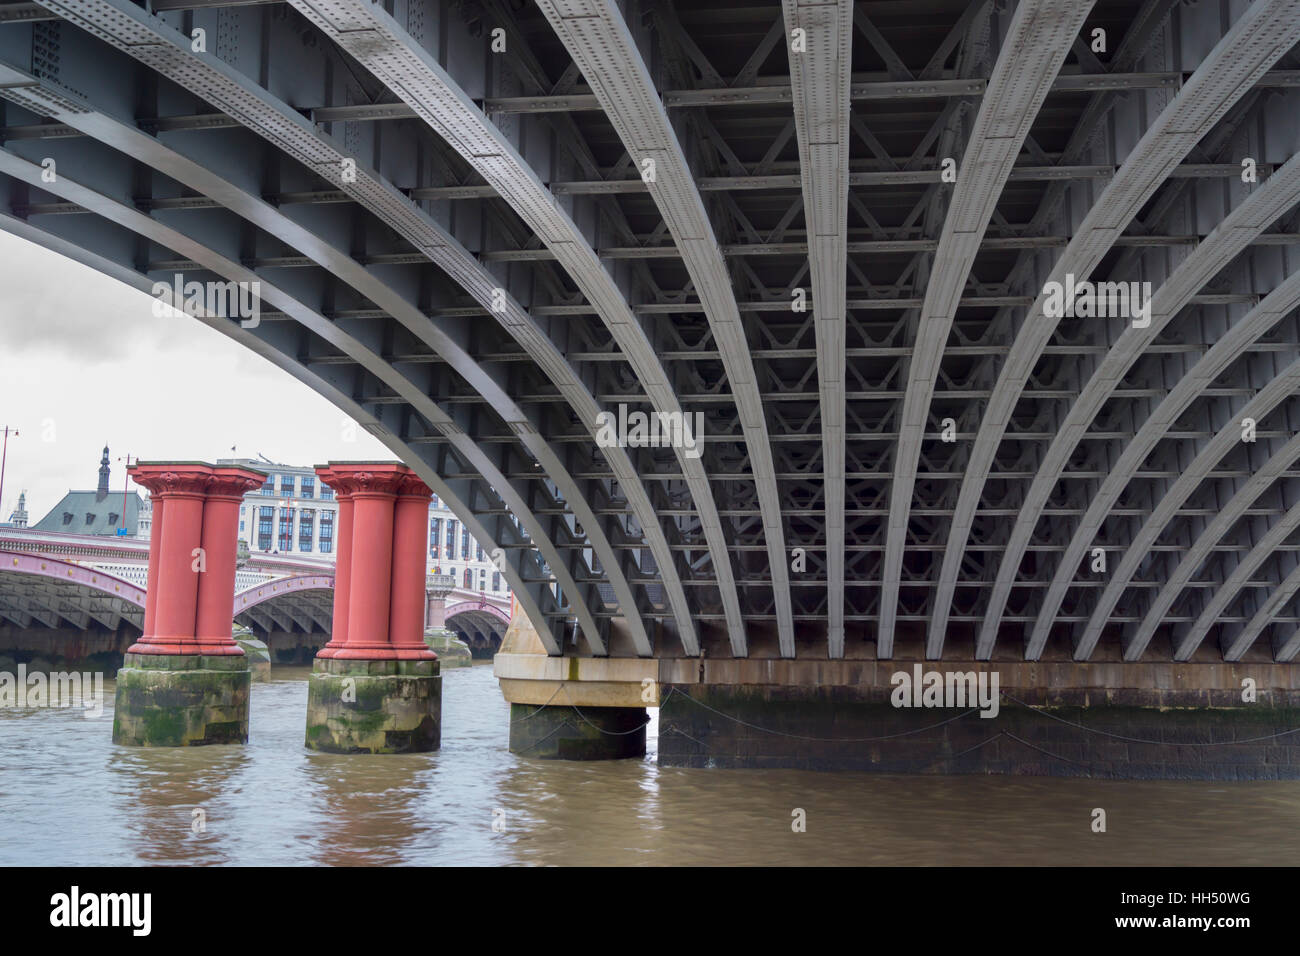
(736, 117)
(1037, 42)
(380, 44)
(1249, 492)
(820, 75)
(1278, 194)
(1268, 399)
(1253, 44)
(602, 47)
(262, 113)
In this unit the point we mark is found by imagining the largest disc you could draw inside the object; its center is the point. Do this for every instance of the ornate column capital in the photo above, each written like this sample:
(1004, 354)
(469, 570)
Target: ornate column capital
(169, 479)
(365, 478)
(234, 482)
(412, 486)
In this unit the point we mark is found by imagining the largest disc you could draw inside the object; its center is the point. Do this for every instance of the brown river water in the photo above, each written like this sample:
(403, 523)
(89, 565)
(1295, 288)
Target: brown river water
(68, 796)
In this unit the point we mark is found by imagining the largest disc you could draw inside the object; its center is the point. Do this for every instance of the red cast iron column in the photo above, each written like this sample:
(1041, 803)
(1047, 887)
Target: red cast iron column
(174, 588)
(410, 544)
(216, 600)
(373, 488)
(343, 564)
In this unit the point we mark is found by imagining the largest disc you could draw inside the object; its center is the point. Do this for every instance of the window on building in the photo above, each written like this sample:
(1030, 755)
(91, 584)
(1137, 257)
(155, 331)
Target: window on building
(264, 532)
(482, 579)
(67, 517)
(464, 544)
(451, 537)
(308, 487)
(496, 580)
(306, 521)
(435, 537)
(286, 530)
(241, 526)
(326, 493)
(326, 539)
(469, 578)
(112, 518)
(433, 501)
(478, 550)
(90, 518)
(268, 487)
(287, 483)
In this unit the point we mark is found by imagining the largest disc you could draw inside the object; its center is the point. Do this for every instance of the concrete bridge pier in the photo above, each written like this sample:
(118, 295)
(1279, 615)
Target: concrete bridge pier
(573, 708)
(186, 681)
(1203, 719)
(376, 687)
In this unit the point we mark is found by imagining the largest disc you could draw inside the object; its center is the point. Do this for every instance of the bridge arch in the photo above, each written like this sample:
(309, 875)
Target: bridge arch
(480, 624)
(293, 615)
(36, 588)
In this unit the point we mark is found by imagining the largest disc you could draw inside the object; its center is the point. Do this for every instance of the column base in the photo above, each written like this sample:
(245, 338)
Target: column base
(258, 656)
(181, 700)
(374, 707)
(561, 733)
(451, 650)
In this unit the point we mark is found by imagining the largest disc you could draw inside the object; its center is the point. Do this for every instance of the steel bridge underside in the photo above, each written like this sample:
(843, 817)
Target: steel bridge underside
(826, 226)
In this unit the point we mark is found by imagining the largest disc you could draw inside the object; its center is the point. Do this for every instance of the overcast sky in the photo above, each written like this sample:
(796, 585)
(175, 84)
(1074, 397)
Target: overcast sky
(84, 362)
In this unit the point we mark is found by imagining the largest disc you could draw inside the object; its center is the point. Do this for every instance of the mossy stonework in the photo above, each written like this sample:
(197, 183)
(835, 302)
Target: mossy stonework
(181, 701)
(570, 733)
(257, 654)
(451, 650)
(374, 707)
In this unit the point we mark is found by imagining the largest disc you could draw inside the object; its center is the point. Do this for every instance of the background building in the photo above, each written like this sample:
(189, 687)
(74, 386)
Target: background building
(101, 511)
(292, 513)
(18, 518)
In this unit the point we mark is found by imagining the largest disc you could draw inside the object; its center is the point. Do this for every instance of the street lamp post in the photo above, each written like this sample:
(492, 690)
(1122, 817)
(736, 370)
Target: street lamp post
(4, 456)
(121, 532)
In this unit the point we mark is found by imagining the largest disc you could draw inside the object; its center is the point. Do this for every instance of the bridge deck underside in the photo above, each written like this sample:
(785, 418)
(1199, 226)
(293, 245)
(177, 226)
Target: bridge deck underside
(456, 242)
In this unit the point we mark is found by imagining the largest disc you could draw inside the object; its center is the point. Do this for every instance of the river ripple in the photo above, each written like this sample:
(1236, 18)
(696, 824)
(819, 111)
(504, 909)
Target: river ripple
(68, 796)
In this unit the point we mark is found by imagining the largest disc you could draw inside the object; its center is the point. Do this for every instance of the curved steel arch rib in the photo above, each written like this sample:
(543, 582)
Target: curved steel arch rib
(1246, 637)
(272, 119)
(378, 43)
(129, 218)
(1271, 310)
(1266, 32)
(1289, 648)
(1039, 38)
(598, 40)
(1280, 388)
(416, 396)
(1230, 588)
(1205, 542)
(820, 78)
(1278, 194)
